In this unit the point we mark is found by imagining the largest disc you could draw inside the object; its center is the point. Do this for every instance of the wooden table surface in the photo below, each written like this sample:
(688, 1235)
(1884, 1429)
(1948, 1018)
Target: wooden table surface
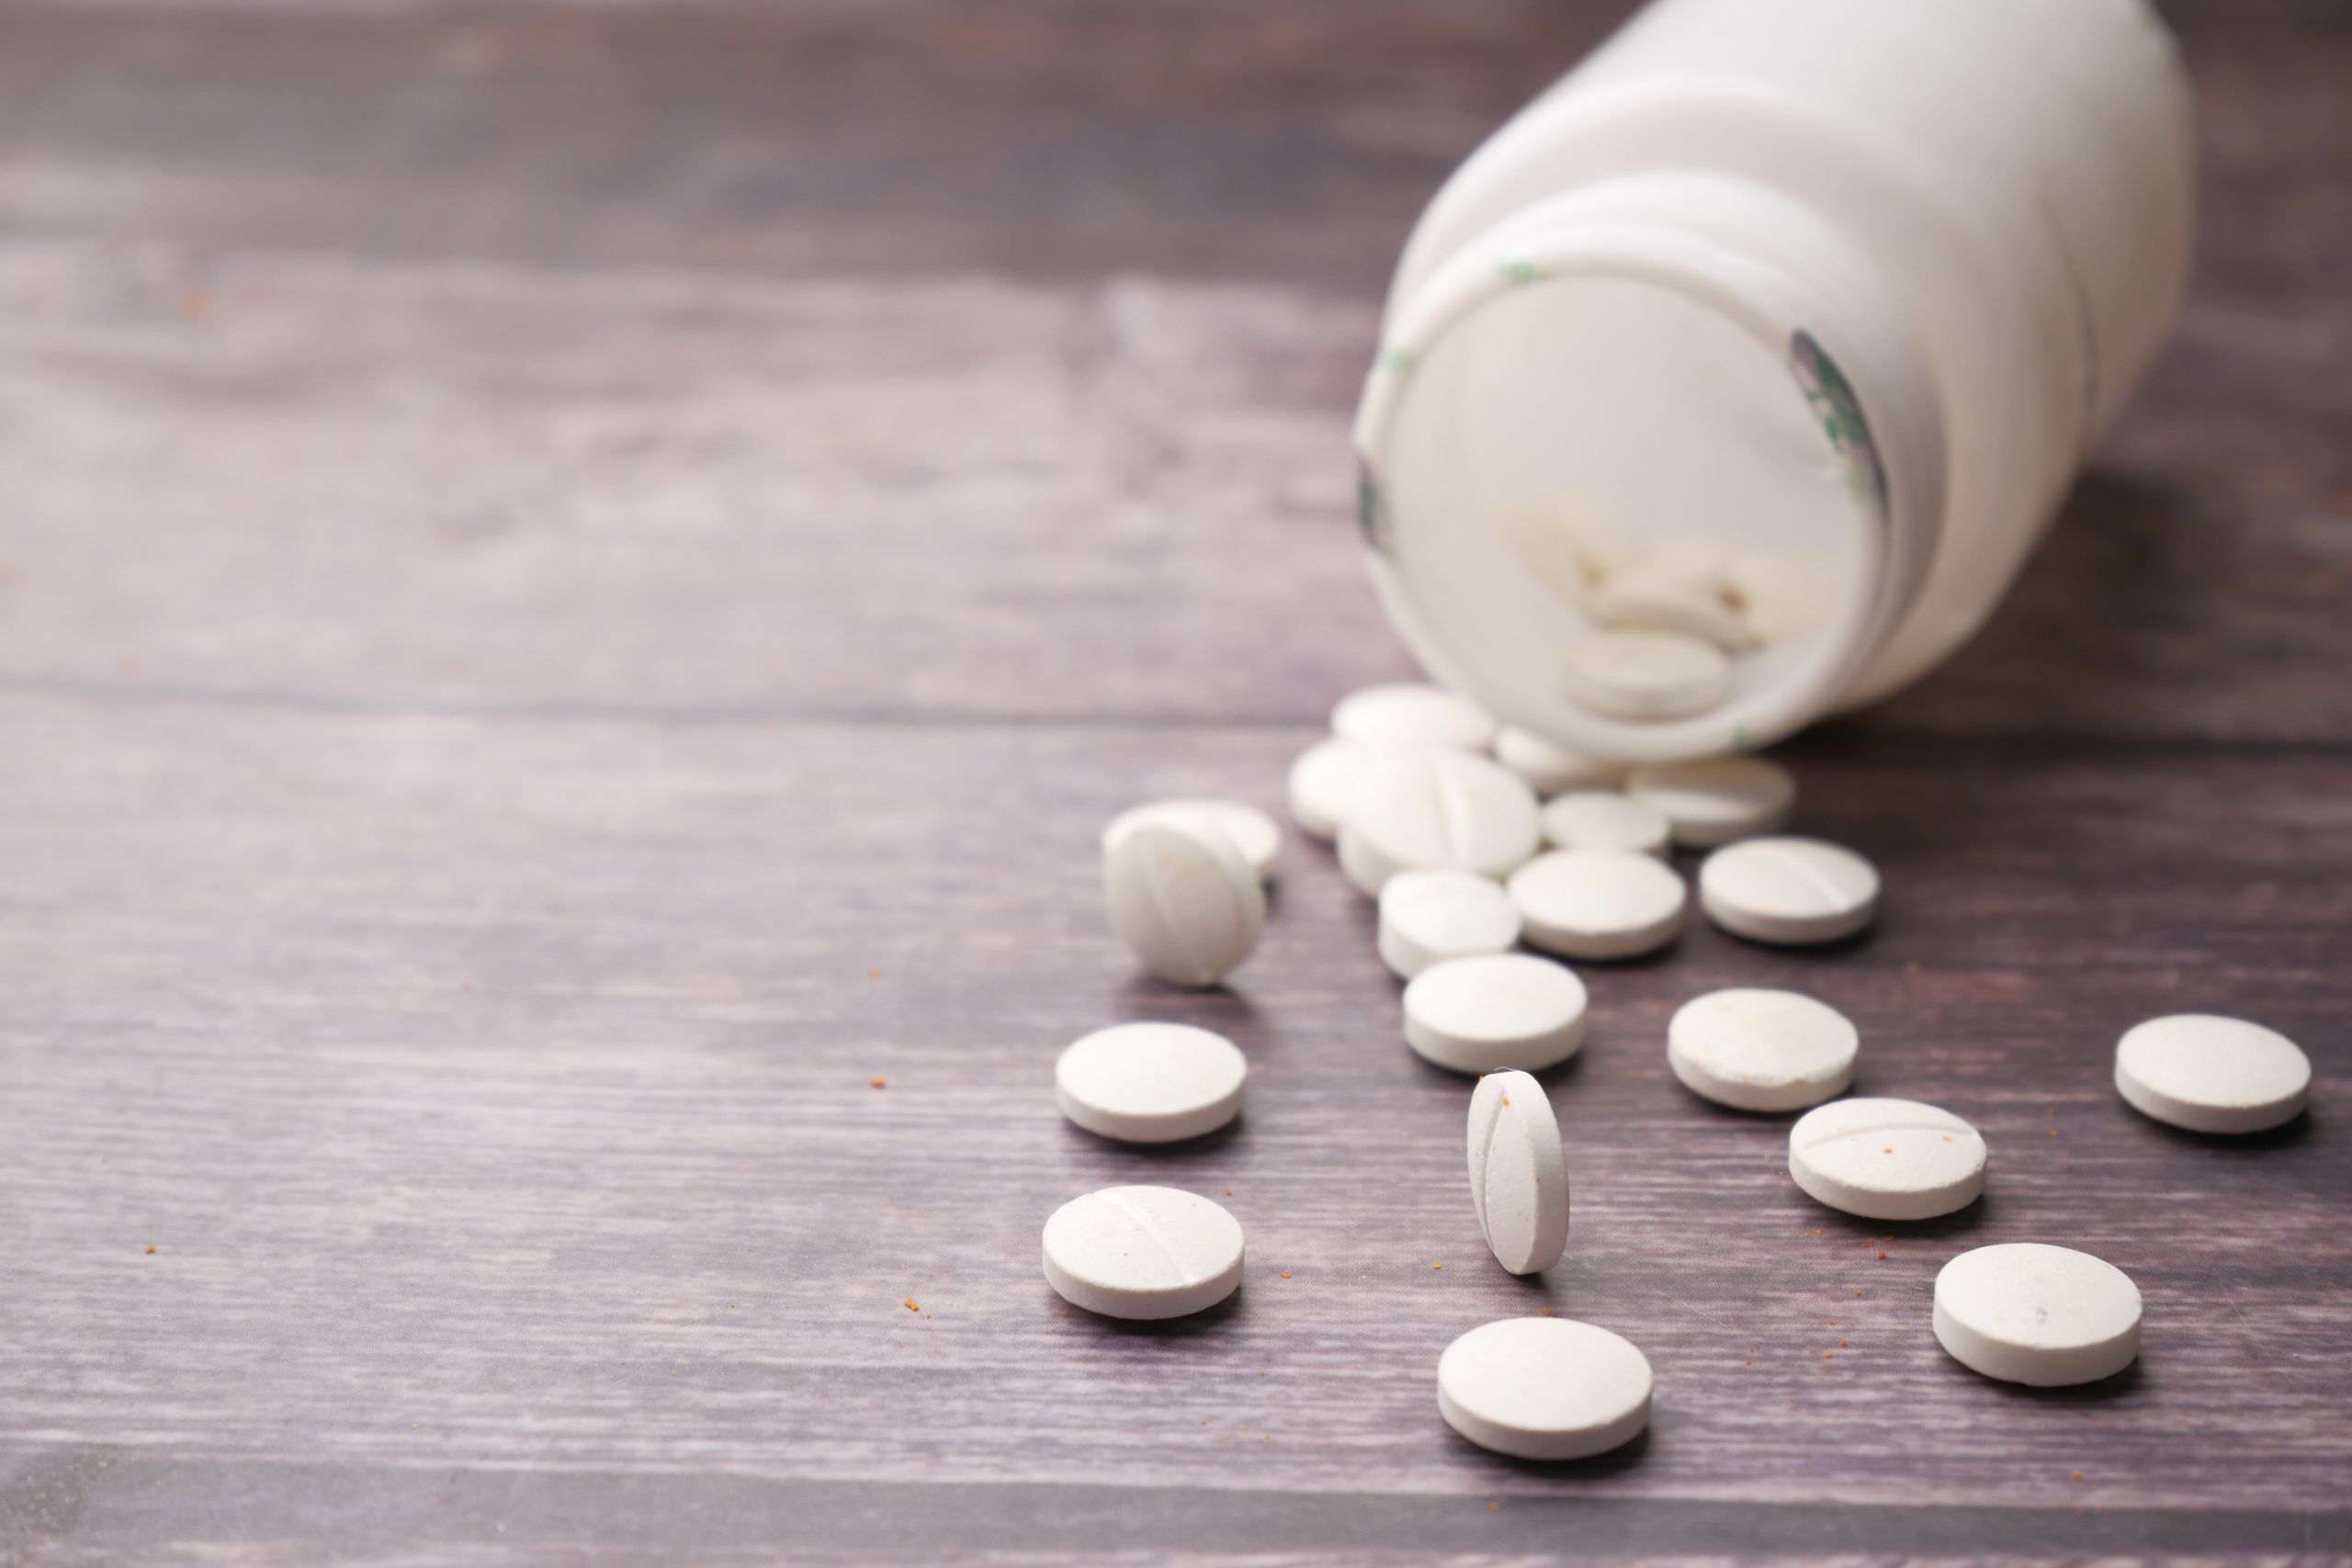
(575, 584)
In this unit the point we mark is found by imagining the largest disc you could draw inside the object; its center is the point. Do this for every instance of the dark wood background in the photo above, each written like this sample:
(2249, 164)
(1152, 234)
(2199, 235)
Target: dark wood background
(576, 583)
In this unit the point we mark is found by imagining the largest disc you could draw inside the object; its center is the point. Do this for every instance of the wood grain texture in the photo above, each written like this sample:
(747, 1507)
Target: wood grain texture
(576, 584)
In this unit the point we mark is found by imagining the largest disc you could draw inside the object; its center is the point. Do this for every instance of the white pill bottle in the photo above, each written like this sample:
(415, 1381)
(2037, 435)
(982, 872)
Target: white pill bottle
(1798, 312)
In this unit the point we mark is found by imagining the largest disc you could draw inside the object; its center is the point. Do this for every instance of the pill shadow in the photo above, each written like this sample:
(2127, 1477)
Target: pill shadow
(1557, 1073)
(2108, 1389)
(1208, 1320)
(1853, 1227)
(1844, 946)
(2285, 1135)
(1217, 1008)
(1212, 1142)
(1624, 1457)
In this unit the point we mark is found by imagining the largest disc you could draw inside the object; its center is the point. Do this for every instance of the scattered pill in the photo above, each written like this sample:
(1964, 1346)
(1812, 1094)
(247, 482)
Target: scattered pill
(1433, 810)
(1251, 832)
(1887, 1159)
(1549, 768)
(2212, 1075)
(1428, 917)
(1598, 903)
(1323, 786)
(1183, 900)
(1760, 1050)
(1498, 1011)
(1604, 819)
(1143, 1252)
(1150, 1083)
(877, 1081)
(1544, 1388)
(1716, 800)
(2027, 1313)
(1793, 892)
(1519, 1178)
(1411, 715)
(1646, 674)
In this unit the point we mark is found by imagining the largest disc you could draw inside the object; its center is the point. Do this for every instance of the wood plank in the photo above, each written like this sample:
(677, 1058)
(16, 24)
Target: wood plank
(479, 486)
(494, 1094)
(575, 584)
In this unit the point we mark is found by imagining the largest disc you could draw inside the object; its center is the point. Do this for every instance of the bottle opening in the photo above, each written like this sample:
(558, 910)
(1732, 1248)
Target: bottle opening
(1626, 501)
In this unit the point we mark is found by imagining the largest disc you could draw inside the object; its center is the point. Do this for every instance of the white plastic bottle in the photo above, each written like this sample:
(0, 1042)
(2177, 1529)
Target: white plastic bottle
(1797, 312)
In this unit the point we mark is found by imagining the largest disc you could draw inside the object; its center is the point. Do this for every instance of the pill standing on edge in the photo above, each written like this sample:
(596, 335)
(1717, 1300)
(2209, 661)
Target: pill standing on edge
(1323, 784)
(1545, 1388)
(1434, 810)
(1428, 917)
(1887, 1159)
(1410, 714)
(1550, 768)
(1150, 1083)
(1793, 892)
(1717, 799)
(2046, 1316)
(1518, 1175)
(1605, 819)
(1143, 1252)
(1646, 675)
(1598, 903)
(1182, 897)
(1498, 1011)
(1255, 834)
(1761, 1050)
(2209, 1074)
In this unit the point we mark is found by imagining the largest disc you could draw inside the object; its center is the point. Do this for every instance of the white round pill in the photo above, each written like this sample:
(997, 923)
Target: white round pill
(1550, 768)
(1795, 891)
(1604, 819)
(1489, 1013)
(1758, 1050)
(1436, 811)
(1410, 714)
(1183, 900)
(1428, 917)
(1887, 1159)
(1519, 1178)
(1150, 1083)
(1254, 833)
(1143, 1252)
(2212, 1075)
(2048, 1316)
(1646, 674)
(1717, 800)
(1323, 786)
(1543, 1388)
(1598, 903)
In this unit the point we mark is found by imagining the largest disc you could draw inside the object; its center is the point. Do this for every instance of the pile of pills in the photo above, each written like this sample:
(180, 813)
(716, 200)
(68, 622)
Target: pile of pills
(1480, 842)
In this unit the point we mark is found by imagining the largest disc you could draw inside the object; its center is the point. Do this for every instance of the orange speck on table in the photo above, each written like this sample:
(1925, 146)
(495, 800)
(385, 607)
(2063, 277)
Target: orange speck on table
(911, 1304)
(1286, 1273)
(151, 1246)
(878, 1081)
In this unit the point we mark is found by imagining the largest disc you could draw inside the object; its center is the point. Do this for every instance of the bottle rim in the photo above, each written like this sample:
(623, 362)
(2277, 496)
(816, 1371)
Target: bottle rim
(1853, 359)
